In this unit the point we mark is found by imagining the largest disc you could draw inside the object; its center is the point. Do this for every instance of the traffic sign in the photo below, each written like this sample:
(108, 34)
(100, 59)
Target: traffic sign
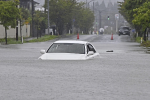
(116, 16)
(74, 20)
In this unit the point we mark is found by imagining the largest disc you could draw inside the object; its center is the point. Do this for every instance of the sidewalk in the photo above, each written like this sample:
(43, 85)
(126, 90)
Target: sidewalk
(30, 38)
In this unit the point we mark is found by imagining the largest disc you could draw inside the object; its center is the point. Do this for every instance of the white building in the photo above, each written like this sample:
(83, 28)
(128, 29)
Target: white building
(11, 32)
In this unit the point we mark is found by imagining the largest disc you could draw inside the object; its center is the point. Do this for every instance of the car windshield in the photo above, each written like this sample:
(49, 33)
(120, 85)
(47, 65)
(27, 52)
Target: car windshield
(125, 28)
(67, 48)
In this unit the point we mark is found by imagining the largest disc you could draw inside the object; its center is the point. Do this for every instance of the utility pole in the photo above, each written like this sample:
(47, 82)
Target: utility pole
(17, 28)
(32, 18)
(116, 26)
(86, 3)
(48, 16)
(100, 21)
(45, 7)
(93, 7)
(100, 18)
(117, 18)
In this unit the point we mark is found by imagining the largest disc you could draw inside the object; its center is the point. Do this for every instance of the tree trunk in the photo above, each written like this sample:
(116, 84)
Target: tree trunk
(147, 31)
(21, 35)
(45, 7)
(60, 29)
(145, 34)
(37, 33)
(17, 31)
(17, 27)
(40, 33)
(6, 35)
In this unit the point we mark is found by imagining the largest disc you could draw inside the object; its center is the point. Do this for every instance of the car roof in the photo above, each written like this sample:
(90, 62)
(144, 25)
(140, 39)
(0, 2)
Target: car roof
(71, 41)
(124, 26)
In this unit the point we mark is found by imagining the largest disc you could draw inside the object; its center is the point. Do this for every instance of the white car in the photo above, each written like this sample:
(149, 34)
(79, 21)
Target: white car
(69, 50)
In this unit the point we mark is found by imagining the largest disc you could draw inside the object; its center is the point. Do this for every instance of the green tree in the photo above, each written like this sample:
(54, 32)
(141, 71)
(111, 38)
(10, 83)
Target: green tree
(127, 7)
(61, 13)
(126, 10)
(24, 19)
(141, 17)
(8, 14)
(45, 6)
(84, 19)
(39, 18)
(76, 16)
(65, 13)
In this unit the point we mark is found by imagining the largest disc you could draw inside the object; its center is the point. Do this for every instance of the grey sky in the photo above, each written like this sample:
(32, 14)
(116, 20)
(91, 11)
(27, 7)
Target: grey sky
(40, 1)
(106, 1)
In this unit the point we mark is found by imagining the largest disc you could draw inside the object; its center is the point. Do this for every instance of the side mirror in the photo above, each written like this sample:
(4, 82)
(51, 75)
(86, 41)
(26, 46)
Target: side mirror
(90, 53)
(92, 49)
(42, 51)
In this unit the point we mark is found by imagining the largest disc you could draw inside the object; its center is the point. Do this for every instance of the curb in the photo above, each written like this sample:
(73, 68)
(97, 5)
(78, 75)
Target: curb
(148, 51)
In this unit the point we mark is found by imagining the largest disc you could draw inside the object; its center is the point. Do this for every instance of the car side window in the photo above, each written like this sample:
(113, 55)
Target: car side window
(90, 48)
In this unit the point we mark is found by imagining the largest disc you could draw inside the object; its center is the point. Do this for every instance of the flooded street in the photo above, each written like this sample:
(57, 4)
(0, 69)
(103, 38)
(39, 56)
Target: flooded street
(119, 75)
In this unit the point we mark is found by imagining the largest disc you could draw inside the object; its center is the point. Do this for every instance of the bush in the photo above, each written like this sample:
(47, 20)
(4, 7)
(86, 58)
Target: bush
(44, 38)
(146, 43)
(138, 39)
(10, 41)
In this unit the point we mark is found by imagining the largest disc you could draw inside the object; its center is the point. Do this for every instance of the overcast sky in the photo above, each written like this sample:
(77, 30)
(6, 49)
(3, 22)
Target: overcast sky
(106, 1)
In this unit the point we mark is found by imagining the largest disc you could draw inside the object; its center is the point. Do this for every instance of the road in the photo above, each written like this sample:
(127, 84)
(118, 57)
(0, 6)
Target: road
(119, 75)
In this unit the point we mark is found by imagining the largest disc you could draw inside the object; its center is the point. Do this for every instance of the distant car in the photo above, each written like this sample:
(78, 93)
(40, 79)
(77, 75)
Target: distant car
(69, 50)
(101, 30)
(124, 30)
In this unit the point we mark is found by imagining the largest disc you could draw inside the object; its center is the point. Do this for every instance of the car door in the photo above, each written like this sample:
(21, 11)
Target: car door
(91, 52)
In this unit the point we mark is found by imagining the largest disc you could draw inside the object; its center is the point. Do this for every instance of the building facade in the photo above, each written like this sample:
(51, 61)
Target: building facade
(11, 32)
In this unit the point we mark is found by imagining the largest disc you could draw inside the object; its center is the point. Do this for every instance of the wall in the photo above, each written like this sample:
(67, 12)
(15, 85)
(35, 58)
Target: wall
(11, 32)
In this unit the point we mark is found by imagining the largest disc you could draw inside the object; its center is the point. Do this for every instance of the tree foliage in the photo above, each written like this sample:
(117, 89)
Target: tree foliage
(25, 16)
(60, 12)
(127, 6)
(8, 14)
(85, 20)
(39, 18)
(136, 13)
(141, 16)
(65, 13)
(84, 17)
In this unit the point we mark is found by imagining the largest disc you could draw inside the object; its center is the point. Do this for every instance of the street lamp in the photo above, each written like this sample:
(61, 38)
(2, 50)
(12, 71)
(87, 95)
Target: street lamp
(32, 18)
(48, 15)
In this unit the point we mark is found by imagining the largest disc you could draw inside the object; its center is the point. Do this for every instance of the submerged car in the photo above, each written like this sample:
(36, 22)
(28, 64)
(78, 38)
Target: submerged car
(69, 50)
(124, 30)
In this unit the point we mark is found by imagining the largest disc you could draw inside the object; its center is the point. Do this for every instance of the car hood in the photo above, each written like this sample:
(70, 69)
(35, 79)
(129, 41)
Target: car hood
(66, 56)
(62, 56)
